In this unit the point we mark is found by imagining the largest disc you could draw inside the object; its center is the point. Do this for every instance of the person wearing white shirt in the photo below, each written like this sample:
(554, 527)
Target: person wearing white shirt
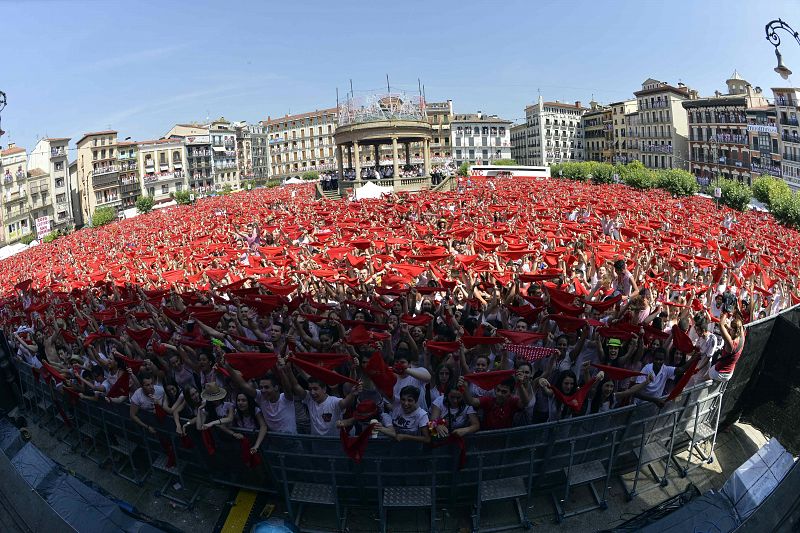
(323, 410)
(408, 422)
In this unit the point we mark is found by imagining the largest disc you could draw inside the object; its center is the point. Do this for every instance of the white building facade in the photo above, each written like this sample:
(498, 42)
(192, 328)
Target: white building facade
(480, 139)
(554, 133)
(52, 192)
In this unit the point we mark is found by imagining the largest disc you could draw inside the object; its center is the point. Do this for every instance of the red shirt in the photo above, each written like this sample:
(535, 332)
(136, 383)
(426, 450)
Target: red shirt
(498, 416)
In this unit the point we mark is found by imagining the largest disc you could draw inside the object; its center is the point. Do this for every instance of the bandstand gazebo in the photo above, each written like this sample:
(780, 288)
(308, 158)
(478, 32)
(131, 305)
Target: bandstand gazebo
(389, 119)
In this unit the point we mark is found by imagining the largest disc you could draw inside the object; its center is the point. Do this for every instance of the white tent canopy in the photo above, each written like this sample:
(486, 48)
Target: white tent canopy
(371, 190)
(292, 181)
(12, 249)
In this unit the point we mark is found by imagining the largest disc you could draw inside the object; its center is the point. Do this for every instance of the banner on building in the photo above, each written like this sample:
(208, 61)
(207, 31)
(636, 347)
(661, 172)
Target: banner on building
(42, 226)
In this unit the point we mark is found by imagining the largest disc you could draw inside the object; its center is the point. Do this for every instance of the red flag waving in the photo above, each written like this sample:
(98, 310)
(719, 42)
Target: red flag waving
(489, 380)
(574, 401)
(121, 387)
(442, 348)
(606, 304)
(252, 364)
(329, 360)
(520, 337)
(615, 373)
(355, 447)
(691, 370)
(134, 364)
(681, 340)
(531, 353)
(470, 341)
(381, 375)
(327, 376)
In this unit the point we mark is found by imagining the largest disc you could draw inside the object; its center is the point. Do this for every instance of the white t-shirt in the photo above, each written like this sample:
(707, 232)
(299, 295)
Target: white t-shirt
(403, 381)
(145, 403)
(656, 387)
(279, 416)
(457, 417)
(408, 424)
(324, 415)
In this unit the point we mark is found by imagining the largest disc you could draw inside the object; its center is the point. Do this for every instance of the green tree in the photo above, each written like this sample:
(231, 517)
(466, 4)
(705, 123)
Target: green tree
(103, 216)
(50, 237)
(786, 210)
(769, 189)
(310, 175)
(601, 172)
(676, 181)
(637, 176)
(463, 170)
(504, 162)
(28, 238)
(144, 204)
(226, 189)
(183, 197)
(735, 195)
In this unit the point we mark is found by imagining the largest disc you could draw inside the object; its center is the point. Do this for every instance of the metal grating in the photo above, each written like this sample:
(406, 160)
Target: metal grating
(652, 452)
(312, 493)
(406, 496)
(585, 472)
(503, 489)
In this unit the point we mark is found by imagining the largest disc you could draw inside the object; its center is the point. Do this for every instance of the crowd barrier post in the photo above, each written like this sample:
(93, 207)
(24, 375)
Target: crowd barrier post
(702, 431)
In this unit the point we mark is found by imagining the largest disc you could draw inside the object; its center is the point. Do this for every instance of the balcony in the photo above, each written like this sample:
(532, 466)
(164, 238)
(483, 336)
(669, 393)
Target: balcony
(199, 153)
(772, 170)
(658, 148)
(15, 212)
(163, 176)
(729, 138)
(57, 152)
(130, 188)
(786, 102)
(104, 181)
(128, 166)
(789, 121)
(658, 104)
(110, 169)
(40, 187)
(177, 164)
(62, 206)
(790, 138)
(790, 157)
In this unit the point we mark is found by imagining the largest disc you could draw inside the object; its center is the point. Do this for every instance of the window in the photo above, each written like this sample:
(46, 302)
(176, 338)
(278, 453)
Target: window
(164, 189)
(59, 166)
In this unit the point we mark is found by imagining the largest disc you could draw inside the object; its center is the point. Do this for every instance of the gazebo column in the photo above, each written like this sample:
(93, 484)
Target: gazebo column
(349, 157)
(396, 162)
(408, 153)
(377, 158)
(357, 162)
(426, 154)
(340, 164)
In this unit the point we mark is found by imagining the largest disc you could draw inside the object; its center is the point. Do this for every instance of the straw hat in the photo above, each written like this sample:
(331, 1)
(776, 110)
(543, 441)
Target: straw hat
(213, 392)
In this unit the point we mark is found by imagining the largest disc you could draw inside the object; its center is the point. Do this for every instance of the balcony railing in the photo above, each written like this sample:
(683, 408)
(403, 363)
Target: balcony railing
(105, 170)
(766, 169)
(791, 138)
(658, 104)
(199, 153)
(664, 149)
(790, 157)
(729, 138)
(786, 102)
(789, 121)
(57, 152)
(163, 176)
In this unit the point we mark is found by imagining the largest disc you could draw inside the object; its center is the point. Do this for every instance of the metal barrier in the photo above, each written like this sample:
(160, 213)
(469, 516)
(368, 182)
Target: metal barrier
(511, 464)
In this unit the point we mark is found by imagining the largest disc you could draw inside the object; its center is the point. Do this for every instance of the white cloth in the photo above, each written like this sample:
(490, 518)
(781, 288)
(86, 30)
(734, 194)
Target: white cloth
(656, 387)
(408, 424)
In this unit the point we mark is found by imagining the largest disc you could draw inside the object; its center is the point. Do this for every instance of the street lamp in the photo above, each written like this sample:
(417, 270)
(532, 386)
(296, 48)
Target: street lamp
(775, 40)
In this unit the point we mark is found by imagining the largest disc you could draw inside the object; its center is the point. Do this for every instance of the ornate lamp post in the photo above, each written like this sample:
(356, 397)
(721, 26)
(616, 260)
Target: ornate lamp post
(775, 39)
(2, 106)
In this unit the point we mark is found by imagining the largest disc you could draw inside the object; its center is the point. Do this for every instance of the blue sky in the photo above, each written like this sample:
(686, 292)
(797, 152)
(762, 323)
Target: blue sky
(168, 61)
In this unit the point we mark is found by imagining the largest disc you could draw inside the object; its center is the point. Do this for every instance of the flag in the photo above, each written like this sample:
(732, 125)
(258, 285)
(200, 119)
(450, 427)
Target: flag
(531, 353)
(489, 380)
(381, 375)
(355, 447)
(574, 401)
(614, 373)
(251, 364)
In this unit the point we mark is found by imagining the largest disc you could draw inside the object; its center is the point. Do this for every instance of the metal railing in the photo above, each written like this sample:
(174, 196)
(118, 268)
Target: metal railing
(542, 457)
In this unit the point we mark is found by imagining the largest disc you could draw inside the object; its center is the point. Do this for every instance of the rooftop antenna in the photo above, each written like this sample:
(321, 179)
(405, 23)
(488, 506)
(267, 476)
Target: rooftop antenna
(337, 98)
(351, 88)
(388, 89)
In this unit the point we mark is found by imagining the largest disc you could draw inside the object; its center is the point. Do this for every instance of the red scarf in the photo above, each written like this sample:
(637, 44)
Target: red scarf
(251, 460)
(355, 447)
(574, 401)
(489, 380)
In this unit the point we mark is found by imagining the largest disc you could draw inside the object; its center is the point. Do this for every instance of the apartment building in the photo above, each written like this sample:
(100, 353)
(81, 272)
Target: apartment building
(519, 143)
(302, 142)
(660, 130)
(554, 132)
(162, 163)
(260, 152)
(53, 190)
(719, 144)
(597, 132)
(787, 111)
(97, 173)
(17, 221)
(130, 184)
(440, 117)
(199, 156)
(619, 137)
(223, 151)
(764, 141)
(478, 138)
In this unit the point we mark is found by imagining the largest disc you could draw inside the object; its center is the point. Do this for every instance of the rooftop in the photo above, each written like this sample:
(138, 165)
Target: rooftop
(270, 120)
(13, 150)
(479, 117)
(96, 133)
(36, 173)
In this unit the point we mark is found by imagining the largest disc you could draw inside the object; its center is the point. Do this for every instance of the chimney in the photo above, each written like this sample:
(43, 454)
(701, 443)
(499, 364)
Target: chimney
(577, 103)
(10, 145)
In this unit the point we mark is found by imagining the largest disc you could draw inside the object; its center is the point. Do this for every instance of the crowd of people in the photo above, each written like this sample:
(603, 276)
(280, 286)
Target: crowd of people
(414, 317)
